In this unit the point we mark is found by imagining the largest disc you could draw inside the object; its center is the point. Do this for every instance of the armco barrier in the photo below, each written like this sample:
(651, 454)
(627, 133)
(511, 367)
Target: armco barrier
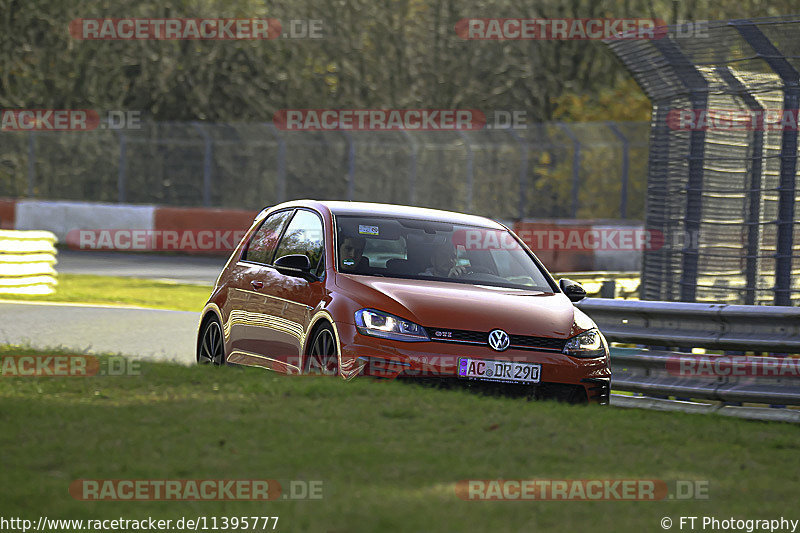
(729, 379)
(774, 329)
(656, 373)
(27, 260)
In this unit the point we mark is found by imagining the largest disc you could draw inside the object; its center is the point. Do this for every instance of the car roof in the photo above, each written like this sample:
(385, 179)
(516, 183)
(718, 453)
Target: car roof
(391, 210)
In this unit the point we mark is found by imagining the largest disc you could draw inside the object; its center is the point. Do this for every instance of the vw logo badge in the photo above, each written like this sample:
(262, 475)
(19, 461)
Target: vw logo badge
(498, 340)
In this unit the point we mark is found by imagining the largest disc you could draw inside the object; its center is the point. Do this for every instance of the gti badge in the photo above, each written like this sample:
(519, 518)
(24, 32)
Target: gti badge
(498, 340)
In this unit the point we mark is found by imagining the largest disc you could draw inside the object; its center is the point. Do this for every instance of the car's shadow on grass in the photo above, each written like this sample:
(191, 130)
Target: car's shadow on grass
(572, 394)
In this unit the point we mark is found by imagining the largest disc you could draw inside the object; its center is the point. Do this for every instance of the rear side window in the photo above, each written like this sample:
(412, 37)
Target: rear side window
(263, 243)
(303, 236)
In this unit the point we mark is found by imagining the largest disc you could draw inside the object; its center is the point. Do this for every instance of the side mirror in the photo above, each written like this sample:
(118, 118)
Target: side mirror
(296, 265)
(572, 289)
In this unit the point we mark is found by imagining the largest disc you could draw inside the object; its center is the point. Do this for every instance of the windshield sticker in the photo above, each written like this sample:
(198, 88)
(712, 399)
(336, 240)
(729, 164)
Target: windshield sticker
(348, 262)
(368, 230)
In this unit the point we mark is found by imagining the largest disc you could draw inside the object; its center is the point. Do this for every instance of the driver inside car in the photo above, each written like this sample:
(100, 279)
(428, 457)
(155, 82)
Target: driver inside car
(444, 263)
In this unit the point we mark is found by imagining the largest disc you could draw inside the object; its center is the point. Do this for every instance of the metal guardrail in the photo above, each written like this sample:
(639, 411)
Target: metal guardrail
(27, 260)
(659, 374)
(691, 325)
(730, 379)
(738, 411)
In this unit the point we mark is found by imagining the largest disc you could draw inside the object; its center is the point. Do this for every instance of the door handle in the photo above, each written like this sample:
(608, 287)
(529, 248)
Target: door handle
(257, 284)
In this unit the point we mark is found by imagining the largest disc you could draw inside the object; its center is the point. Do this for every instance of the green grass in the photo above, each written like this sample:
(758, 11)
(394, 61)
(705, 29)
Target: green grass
(388, 453)
(122, 290)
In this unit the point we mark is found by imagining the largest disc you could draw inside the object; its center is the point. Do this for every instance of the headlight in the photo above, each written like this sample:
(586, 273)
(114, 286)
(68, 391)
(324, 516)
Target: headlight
(587, 344)
(386, 326)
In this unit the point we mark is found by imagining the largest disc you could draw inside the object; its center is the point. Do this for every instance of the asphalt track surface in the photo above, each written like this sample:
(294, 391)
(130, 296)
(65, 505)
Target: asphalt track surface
(151, 334)
(136, 332)
(198, 270)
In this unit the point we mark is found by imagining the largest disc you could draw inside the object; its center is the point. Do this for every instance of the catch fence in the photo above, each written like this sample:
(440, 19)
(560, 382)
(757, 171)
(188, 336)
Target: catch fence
(722, 173)
(550, 170)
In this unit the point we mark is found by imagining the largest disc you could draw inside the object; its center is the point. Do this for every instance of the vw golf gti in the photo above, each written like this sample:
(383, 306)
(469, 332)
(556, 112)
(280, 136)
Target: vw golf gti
(349, 289)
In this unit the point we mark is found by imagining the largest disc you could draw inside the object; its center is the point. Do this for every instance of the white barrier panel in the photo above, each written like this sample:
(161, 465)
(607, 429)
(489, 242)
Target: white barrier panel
(27, 260)
(62, 217)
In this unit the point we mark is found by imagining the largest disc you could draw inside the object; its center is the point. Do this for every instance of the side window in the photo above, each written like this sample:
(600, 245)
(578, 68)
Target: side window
(303, 236)
(265, 239)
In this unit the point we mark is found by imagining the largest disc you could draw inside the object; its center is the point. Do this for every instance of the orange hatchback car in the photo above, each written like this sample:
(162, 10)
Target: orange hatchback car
(349, 289)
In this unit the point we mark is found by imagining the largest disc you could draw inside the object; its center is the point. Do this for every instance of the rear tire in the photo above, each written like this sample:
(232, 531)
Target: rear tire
(210, 345)
(323, 353)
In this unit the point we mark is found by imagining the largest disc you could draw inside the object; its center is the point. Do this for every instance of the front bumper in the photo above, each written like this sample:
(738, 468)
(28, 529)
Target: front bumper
(372, 356)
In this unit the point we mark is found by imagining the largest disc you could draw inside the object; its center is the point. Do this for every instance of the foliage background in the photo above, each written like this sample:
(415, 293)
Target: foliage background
(373, 54)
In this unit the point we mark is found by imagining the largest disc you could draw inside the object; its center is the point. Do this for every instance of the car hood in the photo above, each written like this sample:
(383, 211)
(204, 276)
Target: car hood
(447, 305)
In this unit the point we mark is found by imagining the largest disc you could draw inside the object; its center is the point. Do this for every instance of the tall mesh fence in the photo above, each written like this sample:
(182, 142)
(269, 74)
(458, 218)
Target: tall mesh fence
(552, 170)
(722, 172)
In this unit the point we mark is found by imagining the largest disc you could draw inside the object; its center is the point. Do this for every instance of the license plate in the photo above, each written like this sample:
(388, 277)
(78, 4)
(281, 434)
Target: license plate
(499, 370)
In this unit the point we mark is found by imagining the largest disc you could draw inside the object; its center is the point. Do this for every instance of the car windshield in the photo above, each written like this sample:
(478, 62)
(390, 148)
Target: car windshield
(429, 250)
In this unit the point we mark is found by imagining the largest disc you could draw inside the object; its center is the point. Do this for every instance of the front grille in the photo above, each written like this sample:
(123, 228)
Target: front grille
(457, 335)
(537, 342)
(518, 342)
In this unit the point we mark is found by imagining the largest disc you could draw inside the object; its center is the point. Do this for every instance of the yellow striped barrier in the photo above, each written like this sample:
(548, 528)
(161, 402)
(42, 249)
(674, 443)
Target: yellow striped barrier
(27, 262)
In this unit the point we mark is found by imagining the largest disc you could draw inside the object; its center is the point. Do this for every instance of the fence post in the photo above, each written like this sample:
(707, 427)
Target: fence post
(523, 171)
(754, 194)
(281, 161)
(207, 158)
(608, 289)
(786, 188)
(351, 165)
(31, 163)
(122, 167)
(626, 146)
(576, 166)
(412, 168)
(697, 89)
(470, 168)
